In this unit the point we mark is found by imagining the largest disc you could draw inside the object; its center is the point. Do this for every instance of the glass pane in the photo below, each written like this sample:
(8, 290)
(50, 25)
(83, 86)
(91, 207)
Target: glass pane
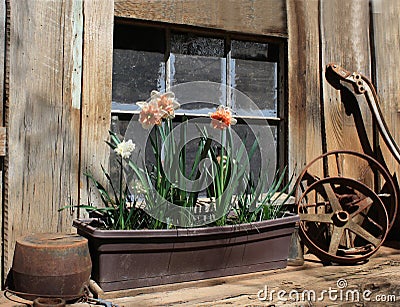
(138, 64)
(253, 74)
(186, 68)
(195, 58)
(249, 50)
(265, 155)
(258, 80)
(189, 44)
(139, 38)
(135, 75)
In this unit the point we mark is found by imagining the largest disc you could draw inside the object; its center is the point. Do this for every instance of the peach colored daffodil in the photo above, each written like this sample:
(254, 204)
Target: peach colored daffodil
(150, 114)
(222, 118)
(166, 103)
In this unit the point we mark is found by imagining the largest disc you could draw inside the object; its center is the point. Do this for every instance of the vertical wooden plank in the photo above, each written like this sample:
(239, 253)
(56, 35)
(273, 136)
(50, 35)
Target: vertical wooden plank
(3, 130)
(71, 114)
(387, 59)
(314, 122)
(43, 125)
(297, 84)
(2, 55)
(386, 38)
(96, 92)
(3, 144)
(345, 40)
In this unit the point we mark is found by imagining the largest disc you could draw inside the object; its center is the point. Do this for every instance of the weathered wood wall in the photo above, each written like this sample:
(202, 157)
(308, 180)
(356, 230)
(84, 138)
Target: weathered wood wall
(56, 126)
(3, 131)
(43, 138)
(96, 93)
(58, 86)
(255, 17)
(359, 35)
(385, 46)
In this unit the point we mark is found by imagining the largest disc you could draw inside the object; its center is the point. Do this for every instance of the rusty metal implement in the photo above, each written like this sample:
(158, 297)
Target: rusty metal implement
(343, 218)
(51, 265)
(362, 85)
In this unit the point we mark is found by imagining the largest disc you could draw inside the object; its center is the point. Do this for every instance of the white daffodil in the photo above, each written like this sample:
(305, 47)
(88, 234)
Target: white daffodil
(125, 149)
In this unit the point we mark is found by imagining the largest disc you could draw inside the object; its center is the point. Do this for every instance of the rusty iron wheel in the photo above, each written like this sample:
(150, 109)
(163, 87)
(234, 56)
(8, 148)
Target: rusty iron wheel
(341, 163)
(342, 220)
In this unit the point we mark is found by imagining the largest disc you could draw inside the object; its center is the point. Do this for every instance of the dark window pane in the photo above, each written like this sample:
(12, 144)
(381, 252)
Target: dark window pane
(199, 98)
(139, 38)
(249, 50)
(135, 75)
(196, 58)
(265, 155)
(189, 44)
(258, 80)
(254, 71)
(186, 68)
(138, 64)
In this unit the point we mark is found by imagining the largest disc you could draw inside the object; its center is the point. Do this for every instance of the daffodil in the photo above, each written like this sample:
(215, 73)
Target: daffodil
(125, 149)
(166, 103)
(222, 118)
(150, 114)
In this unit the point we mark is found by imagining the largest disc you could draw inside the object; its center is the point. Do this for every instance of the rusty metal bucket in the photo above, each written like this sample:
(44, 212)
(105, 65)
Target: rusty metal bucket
(51, 265)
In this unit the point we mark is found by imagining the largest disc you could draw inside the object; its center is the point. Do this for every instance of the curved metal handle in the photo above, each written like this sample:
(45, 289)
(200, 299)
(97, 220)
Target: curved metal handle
(362, 85)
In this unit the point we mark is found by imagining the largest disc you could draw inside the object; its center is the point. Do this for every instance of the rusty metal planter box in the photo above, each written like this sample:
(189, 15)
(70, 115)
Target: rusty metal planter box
(139, 258)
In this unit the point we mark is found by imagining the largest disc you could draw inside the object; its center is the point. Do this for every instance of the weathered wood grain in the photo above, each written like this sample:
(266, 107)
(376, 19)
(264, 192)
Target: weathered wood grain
(2, 53)
(297, 59)
(387, 60)
(4, 200)
(43, 163)
(345, 40)
(313, 111)
(266, 17)
(386, 39)
(96, 93)
(3, 131)
(3, 141)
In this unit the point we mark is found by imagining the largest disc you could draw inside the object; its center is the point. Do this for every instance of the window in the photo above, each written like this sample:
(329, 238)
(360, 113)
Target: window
(148, 57)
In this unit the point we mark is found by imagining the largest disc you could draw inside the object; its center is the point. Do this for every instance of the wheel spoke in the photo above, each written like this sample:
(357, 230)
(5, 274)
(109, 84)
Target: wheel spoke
(332, 197)
(358, 230)
(316, 217)
(362, 205)
(335, 239)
